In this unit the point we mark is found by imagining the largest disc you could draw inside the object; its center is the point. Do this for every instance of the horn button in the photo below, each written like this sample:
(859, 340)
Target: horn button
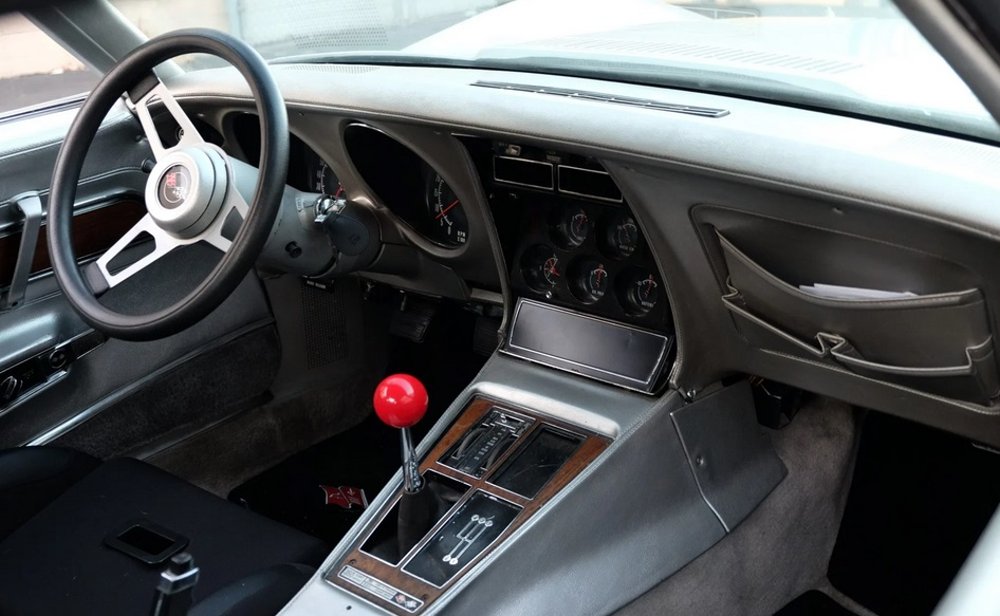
(185, 190)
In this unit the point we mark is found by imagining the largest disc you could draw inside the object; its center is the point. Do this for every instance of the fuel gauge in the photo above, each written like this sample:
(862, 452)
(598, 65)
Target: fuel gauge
(571, 226)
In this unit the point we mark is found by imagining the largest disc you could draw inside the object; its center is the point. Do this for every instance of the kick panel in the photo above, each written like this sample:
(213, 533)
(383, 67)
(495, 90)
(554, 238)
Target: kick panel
(502, 463)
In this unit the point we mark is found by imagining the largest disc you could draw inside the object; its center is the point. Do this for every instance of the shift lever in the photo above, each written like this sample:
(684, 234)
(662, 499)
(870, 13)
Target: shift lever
(400, 402)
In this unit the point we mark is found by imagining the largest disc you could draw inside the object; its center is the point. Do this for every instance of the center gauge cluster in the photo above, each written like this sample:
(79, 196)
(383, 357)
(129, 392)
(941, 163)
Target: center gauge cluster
(569, 237)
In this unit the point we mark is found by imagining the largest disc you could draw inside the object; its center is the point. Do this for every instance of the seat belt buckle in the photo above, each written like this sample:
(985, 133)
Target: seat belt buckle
(175, 588)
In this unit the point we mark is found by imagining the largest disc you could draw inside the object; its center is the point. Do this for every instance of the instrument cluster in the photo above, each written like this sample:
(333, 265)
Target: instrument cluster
(570, 240)
(430, 206)
(401, 179)
(580, 253)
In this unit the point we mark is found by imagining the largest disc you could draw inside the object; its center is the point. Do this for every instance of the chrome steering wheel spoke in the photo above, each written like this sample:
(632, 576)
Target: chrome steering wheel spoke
(234, 202)
(164, 241)
(189, 135)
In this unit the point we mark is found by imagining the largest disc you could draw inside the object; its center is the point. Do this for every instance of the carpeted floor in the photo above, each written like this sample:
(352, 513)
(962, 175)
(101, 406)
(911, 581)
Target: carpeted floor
(365, 456)
(228, 454)
(323, 387)
(814, 603)
(919, 501)
(782, 549)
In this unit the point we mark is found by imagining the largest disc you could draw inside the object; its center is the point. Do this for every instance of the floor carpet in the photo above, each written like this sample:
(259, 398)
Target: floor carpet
(814, 603)
(782, 549)
(919, 501)
(366, 456)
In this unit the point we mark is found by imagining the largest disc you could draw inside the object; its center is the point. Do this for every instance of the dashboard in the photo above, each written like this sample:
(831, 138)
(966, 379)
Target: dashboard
(734, 215)
(567, 234)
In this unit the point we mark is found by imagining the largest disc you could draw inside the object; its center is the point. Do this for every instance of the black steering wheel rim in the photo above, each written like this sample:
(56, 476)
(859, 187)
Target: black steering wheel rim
(255, 229)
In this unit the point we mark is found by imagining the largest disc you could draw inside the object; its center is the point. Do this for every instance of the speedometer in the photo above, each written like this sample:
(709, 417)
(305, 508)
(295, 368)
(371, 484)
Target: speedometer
(325, 181)
(447, 222)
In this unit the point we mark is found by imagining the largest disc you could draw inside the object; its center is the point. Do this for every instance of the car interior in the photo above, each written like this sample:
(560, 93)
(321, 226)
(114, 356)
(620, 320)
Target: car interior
(346, 335)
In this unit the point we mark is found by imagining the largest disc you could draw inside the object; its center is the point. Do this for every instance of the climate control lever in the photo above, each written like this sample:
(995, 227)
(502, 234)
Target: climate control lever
(400, 402)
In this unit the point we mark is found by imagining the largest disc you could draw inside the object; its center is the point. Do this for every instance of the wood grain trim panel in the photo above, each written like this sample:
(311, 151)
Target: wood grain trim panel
(592, 446)
(94, 231)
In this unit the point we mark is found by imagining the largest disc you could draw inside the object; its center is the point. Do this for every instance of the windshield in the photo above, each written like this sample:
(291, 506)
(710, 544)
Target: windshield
(855, 56)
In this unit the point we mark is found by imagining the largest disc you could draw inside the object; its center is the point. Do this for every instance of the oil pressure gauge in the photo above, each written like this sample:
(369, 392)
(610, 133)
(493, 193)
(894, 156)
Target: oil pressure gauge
(588, 280)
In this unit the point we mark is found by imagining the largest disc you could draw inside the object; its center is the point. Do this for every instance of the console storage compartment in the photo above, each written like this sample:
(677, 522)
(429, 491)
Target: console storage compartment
(939, 342)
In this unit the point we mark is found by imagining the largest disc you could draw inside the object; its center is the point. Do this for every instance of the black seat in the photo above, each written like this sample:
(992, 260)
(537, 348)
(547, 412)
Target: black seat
(63, 506)
(32, 477)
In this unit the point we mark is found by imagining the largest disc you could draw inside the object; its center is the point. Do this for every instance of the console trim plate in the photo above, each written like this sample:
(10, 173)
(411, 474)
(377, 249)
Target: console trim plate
(590, 448)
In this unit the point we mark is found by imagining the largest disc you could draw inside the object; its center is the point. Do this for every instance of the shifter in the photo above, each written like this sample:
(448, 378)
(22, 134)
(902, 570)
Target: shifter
(400, 402)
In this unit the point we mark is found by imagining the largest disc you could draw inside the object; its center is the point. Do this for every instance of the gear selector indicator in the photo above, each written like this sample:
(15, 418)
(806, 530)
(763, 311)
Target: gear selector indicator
(476, 524)
(486, 443)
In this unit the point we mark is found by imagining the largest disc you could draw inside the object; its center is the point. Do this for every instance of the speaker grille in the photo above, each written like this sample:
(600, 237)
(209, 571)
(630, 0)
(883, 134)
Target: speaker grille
(325, 323)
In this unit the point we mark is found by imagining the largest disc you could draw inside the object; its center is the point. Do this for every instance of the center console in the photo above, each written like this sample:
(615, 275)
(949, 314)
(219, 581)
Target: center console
(492, 470)
(547, 493)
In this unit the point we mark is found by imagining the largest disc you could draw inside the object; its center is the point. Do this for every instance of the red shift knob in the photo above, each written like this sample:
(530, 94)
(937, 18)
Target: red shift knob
(400, 400)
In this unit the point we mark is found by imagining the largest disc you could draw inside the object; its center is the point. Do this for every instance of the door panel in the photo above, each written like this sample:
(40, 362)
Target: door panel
(94, 231)
(118, 395)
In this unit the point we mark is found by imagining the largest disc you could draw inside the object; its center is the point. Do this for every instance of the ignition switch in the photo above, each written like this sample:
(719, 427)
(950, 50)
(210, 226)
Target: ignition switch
(353, 230)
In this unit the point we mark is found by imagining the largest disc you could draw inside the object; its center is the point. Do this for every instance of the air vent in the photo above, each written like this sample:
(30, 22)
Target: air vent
(645, 103)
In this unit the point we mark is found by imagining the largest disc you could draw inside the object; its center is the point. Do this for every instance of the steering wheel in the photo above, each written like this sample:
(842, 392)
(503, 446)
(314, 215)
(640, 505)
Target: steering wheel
(190, 194)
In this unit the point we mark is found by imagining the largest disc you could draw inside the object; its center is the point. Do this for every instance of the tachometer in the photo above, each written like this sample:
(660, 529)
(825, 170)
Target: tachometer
(448, 224)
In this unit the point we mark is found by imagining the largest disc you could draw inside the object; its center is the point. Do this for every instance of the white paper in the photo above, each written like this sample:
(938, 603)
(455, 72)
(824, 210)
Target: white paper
(833, 291)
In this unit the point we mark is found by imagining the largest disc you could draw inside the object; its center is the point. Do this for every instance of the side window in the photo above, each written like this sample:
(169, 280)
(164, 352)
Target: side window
(34, 69)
